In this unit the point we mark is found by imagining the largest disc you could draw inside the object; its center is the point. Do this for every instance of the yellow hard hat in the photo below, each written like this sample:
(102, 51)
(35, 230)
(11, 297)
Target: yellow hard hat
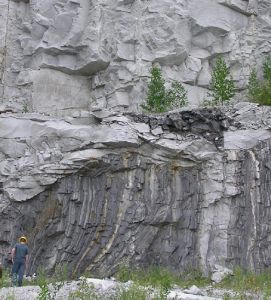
(23, 239)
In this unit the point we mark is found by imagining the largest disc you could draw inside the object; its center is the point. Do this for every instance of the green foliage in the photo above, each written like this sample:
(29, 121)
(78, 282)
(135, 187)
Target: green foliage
(260, 91)
(254, 87)
(161, 279)
(194, 277)
(43, 283)
(136, 292)
(244, 282)
(41, 277)
(155, 282)
(5, 280)
(267, 68)
(61, 273)
(177, 95)
(25, 107)
(49, 288)
(207, 102)
(221, 85)
(133, 293)
(44, 293)
(156, 97)
(265, 98)
(85, 292)
(154, 276)
(159, 99)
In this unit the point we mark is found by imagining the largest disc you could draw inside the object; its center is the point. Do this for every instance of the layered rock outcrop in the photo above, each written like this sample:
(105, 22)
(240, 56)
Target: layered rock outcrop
(96, 188)
(100, 52)
(188, 189)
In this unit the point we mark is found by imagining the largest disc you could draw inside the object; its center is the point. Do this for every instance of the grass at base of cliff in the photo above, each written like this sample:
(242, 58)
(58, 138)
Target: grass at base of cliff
(243, 284)
(136, 292)
(132, 292)
(243, 281)
(156, 277)
(161, 277)
(5, 281)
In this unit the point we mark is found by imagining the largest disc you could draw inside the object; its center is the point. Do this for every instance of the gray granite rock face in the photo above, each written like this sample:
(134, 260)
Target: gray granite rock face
(61, 56)
(188, 189)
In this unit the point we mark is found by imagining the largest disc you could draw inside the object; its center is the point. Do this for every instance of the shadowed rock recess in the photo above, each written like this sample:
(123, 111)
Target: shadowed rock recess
(188, 189)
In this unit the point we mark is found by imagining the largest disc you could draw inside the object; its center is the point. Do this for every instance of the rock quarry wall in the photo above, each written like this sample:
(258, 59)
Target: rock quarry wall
(93, 182)
(100, 51)
(188, 189)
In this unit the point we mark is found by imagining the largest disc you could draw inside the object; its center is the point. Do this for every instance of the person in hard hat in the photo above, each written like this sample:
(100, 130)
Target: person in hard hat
(19, 257)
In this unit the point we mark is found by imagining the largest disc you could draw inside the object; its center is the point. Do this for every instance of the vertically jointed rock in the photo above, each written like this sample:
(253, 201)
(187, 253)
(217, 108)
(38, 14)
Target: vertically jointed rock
(183, 190)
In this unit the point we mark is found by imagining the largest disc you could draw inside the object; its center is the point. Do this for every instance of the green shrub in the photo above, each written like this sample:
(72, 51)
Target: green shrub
(260, 91)
(44, 293)
(254, 87)
(159, 99)
(244, 281)
(60, 273)
(84, 292)
(134, 292)
(156, 277)
(25, 107)
(194, 277)
(50, 287)
(5, 280)
(267, 68)
(176, 95)
(156, 96)
(264, 95)
(43, 283)
(221, 85)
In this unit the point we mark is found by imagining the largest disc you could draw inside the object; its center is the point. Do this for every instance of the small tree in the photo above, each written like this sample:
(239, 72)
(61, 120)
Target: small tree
(253, 85)
(176, 95)
(267, 69)
(221, 85)
(259, 91)
(156, 100)
(159, 99)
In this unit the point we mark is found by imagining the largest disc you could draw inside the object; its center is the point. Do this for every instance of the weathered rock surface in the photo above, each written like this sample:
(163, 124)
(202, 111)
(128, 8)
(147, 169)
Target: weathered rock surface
(98, 289)
(59, 56)
(188, 189)
(105, 289)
